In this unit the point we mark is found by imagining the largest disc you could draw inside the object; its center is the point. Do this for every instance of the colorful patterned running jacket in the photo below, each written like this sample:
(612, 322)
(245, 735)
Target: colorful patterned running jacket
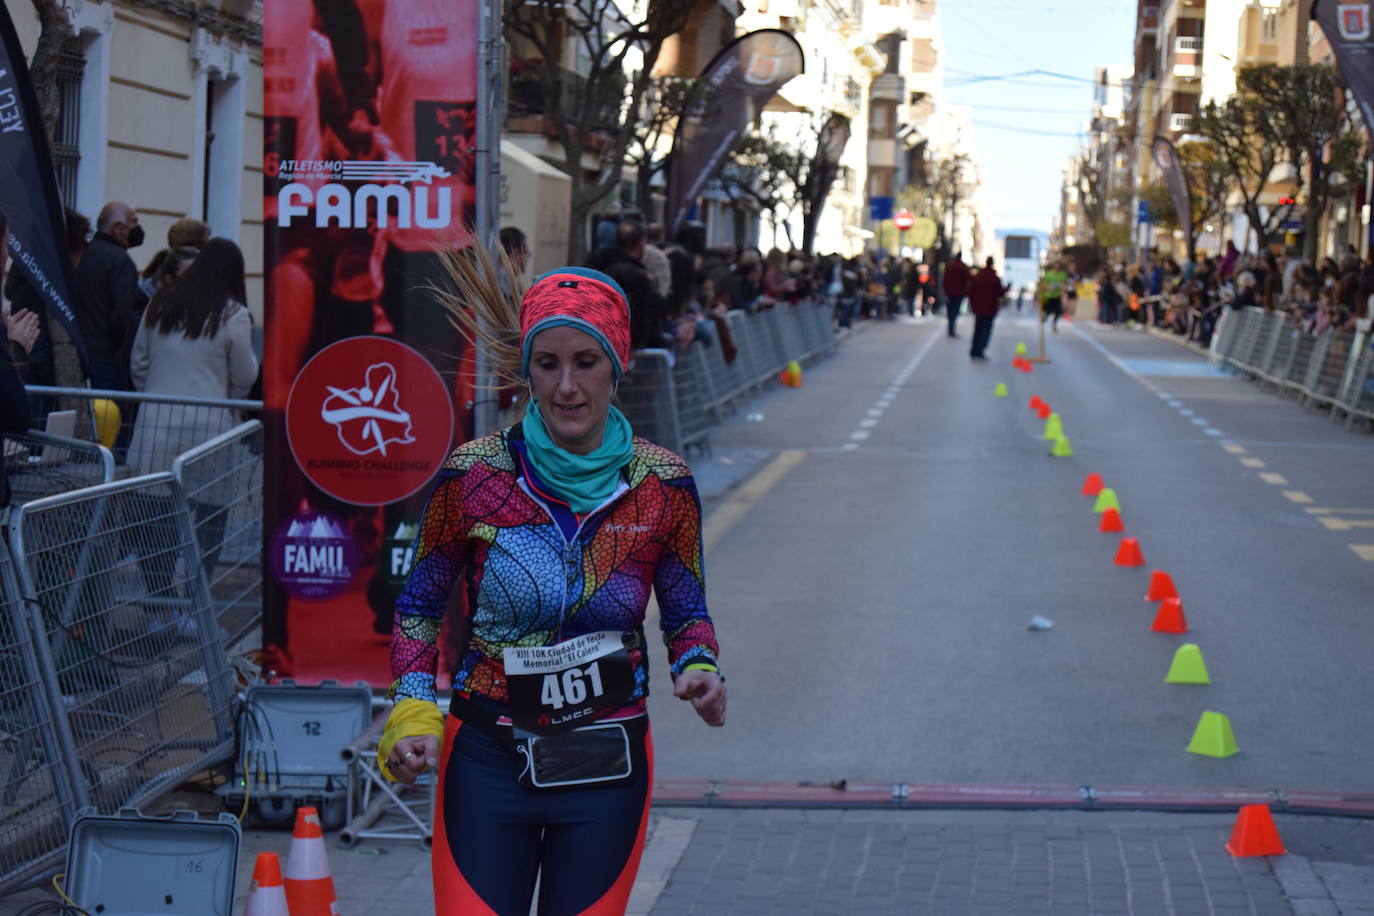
(531, 584)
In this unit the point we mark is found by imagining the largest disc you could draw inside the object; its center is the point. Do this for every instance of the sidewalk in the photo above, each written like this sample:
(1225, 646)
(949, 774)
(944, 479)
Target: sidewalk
(983, 863)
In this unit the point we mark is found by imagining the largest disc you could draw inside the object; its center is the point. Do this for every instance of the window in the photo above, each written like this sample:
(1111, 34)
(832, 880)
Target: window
(66, 151)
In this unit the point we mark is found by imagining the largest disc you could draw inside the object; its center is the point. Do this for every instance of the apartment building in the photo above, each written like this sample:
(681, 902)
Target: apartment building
(162, 109)
(902, 99)
(841, 64)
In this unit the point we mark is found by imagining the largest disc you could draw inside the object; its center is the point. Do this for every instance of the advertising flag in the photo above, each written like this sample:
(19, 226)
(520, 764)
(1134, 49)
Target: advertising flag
(1166, 157)
(825, 168)
(28, 188)
(1349, 30)
(369, 169)
(728, 97)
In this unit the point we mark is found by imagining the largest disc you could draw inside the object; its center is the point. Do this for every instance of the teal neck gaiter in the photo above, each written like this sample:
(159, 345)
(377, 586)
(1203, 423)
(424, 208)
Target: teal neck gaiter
(585, 481)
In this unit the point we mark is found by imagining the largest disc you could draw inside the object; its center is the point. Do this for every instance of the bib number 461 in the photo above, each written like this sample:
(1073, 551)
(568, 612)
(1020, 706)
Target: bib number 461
(570, 687)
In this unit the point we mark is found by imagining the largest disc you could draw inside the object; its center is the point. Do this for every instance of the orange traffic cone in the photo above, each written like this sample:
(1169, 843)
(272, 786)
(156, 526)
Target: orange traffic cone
(1170, 618)
(267, 897)
(1092, 484)
(1255, 833)
(1161, 586)
(1128, 554)
(1044, 411)
(309, 886)
(1016, 362)
(1111, 521)
(1026, 366)
(1035, 401)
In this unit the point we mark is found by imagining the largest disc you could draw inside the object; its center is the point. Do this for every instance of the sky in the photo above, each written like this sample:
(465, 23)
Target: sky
(1023, 169)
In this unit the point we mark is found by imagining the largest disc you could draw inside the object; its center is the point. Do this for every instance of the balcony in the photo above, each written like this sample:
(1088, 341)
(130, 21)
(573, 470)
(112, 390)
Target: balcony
(1180, 122)
(1185, 57)
(1149, 19)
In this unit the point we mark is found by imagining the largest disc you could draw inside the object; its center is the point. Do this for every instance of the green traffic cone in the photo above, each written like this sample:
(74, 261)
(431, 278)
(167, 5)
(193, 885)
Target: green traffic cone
(1000, 391)
(1213, 736)
(1106, 500)
(1020, 348)
(1053, 428)
(1062, 449)
(1187, 667)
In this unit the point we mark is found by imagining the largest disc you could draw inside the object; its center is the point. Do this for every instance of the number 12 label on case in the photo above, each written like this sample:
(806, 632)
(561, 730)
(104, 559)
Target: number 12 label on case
(556, 688)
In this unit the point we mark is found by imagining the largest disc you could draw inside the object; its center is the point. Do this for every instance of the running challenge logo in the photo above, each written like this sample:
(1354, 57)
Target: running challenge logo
(369, 436)
(369, 418)
(385, 192)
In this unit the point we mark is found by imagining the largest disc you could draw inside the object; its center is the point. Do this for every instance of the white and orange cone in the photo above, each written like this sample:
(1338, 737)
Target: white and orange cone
(268, 896)
(309, 885)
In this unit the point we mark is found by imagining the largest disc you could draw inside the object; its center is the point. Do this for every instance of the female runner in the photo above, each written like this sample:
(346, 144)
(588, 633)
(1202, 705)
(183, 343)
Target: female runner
(557, 529)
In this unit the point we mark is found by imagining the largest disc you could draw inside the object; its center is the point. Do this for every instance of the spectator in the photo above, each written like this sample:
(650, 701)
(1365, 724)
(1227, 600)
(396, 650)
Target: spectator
(1364, 299)
(656, 261)
(746, 287)
(515, 246)
(1227, 268)
(106, 280)
(957, 278)
(985, 299)
(777, 279)
(624, 263)
(194, 341)
(14, 403)
(40, 366)
(170, 267)
(1245, 291)
(185, 233)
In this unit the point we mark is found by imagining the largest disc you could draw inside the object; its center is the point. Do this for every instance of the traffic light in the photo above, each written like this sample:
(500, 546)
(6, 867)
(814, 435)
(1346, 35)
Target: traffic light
(1287, 201)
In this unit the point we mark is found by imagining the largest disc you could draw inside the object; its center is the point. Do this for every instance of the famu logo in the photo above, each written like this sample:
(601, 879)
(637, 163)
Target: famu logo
(361, 194)
(312, 556)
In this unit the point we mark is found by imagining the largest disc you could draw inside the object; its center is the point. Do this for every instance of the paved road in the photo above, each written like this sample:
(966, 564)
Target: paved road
(873, 603)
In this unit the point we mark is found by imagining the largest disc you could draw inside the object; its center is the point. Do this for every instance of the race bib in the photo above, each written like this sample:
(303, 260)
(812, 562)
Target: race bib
(554, 689)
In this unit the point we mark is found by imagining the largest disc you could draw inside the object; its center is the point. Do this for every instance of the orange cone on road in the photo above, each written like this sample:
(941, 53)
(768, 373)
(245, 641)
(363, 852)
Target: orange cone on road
(1111, 521)
(1170, 617)
(267, 896)
(1092, 484)
(1129, 554)
(1255, 833)
(1026, 366)
(1044, 411)
(309, 885)
(1161, 586)
(1035, 402)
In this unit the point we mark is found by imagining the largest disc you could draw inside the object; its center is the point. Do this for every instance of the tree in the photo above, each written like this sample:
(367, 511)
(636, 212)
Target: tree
(767, 169)
(1160, 204)
(661, 107)
(596, 107)
(1209, 181)
(1281, 115)
(1232, 129)
(55, 30)
(1305, 117)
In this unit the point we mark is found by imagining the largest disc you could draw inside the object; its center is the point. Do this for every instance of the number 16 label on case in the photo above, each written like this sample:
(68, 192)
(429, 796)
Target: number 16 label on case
(556, 688)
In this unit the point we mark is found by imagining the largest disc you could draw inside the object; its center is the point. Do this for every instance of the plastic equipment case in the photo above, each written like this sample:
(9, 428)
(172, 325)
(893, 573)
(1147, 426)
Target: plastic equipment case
(291, 737)
(128, 864)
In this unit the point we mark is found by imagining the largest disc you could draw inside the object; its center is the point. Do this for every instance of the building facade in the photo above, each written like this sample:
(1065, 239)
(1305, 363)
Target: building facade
(162, 109)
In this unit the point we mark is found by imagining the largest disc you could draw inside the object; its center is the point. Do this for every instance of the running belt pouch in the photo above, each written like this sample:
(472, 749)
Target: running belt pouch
(594, 755)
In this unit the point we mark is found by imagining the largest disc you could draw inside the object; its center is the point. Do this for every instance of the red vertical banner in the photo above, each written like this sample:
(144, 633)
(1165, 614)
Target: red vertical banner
(370, 134)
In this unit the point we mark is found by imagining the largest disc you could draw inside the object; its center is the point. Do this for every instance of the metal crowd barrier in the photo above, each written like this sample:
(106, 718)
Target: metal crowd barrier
(37, 801)
(123, 644)
(673, 399)
(222, 480)
(153, 428)
(1333, 369)
(41, 464)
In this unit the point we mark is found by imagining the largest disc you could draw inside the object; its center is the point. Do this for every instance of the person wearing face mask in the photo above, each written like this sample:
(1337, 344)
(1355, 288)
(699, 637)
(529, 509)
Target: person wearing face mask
(555, 530)
(106, 280)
